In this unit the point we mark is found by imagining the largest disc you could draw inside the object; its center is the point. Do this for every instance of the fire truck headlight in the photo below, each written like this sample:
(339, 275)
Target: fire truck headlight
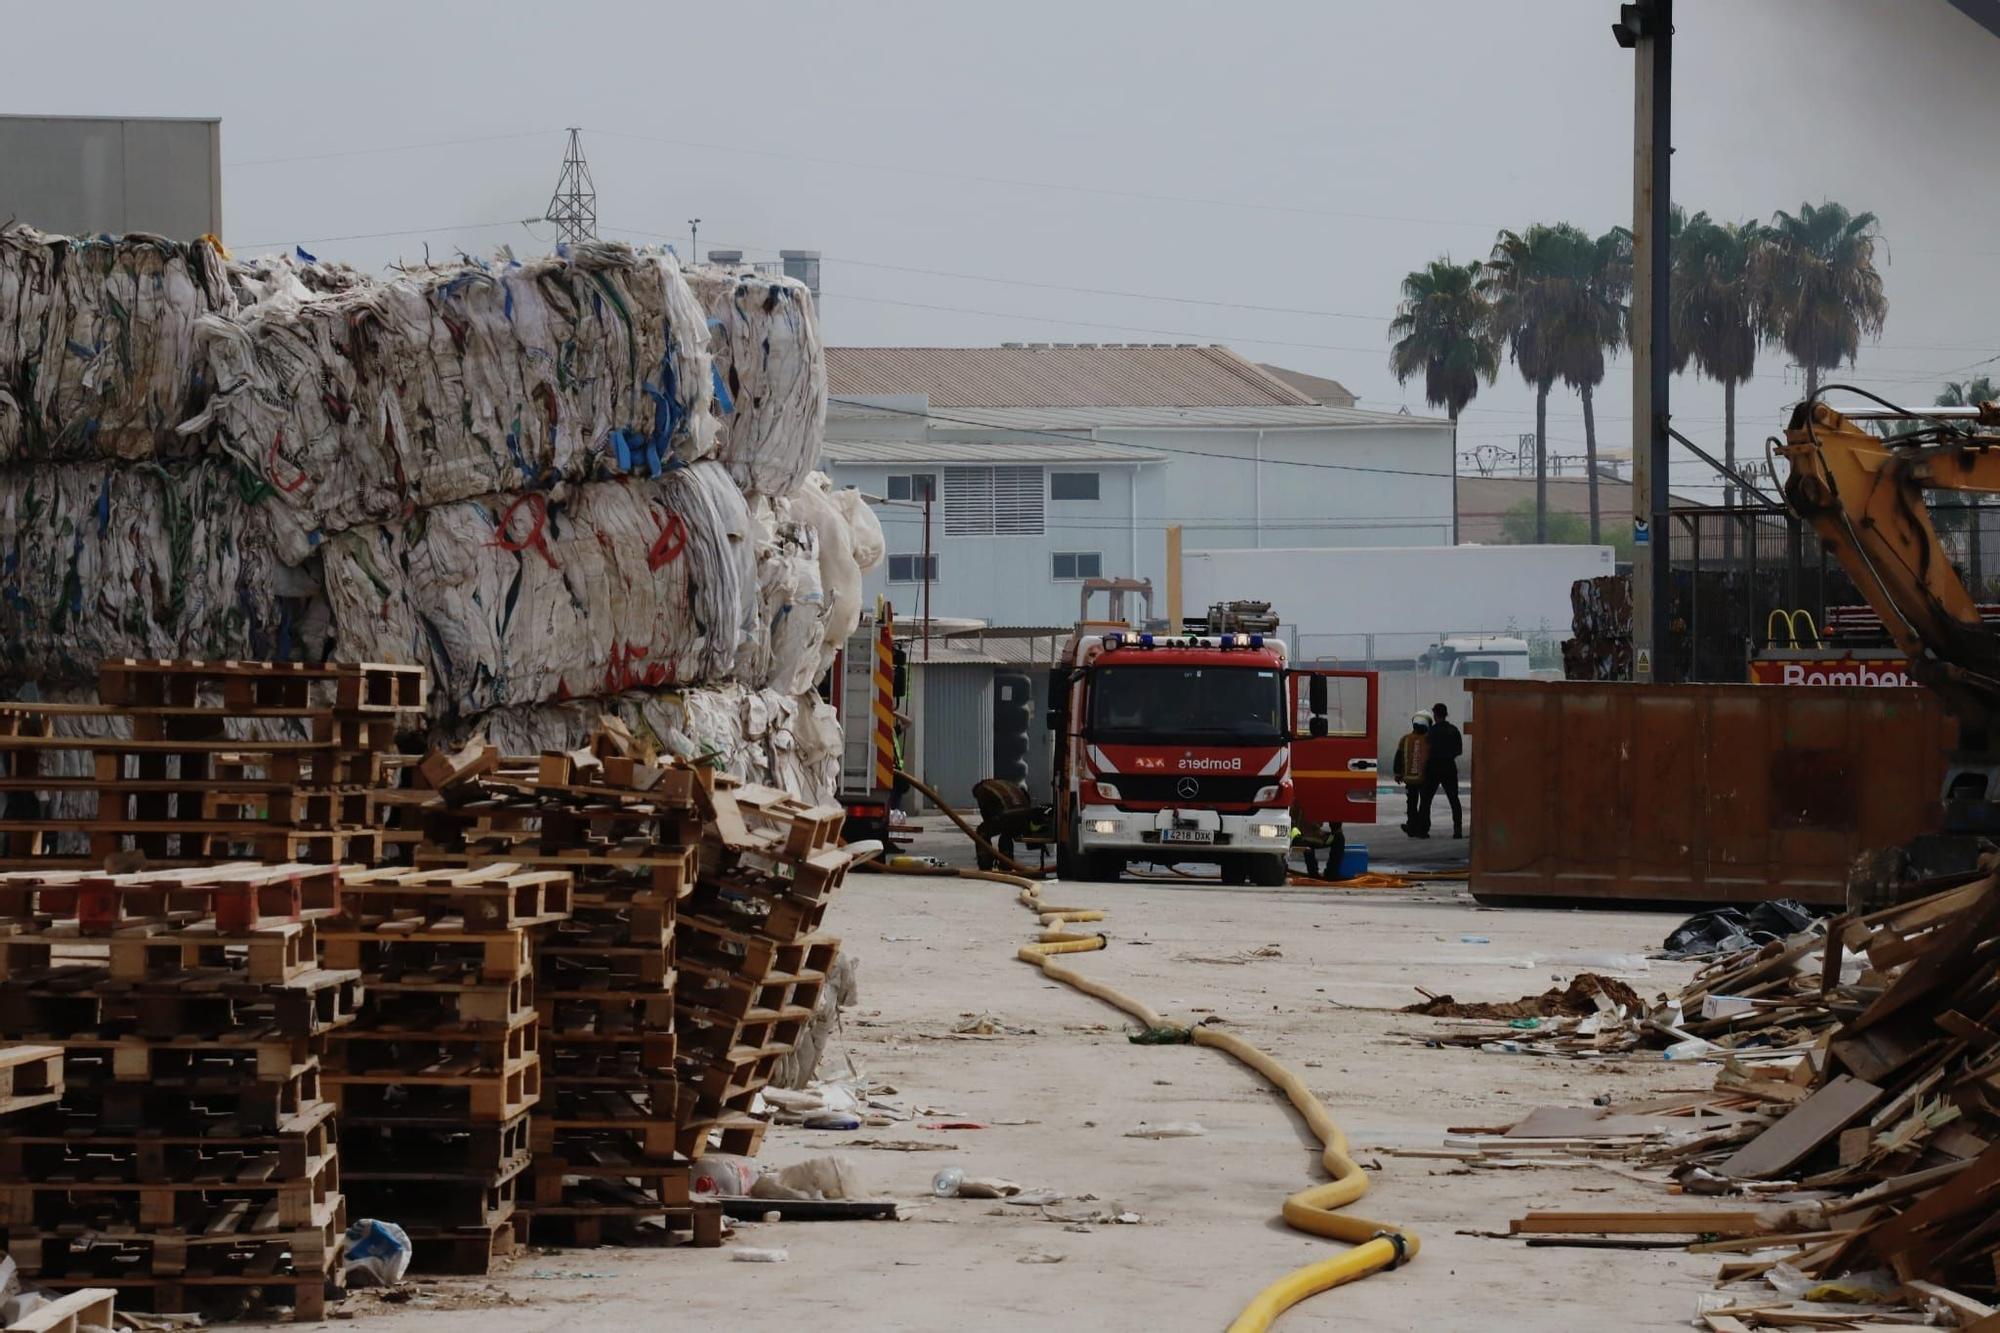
(1269, 831)
(1266, 794)
(1103, 826)
(1106, 791)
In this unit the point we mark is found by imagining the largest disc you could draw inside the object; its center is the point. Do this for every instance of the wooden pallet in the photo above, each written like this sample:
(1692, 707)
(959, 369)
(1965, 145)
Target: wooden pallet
(269, 952)
(421, 1199)
(303, 1293)
(705, 1037)
(497, 896)
(356, 687)
(448, 1147)
(159, 1204)
(482, 1050)
(151, 1151)
(466, 1252)
(239, 897)
(388, 1096)
(610, 1219)
(560, 1180)
(719, 991)
(254, 1055)
(239, 1239)
(421, 999)
(391, 950)
(30, 1076)
(83, 1000)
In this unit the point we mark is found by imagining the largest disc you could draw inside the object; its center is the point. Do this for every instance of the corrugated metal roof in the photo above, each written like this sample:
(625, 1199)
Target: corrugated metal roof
(1065, 375)
(1111, 418)
(1316, 387)
(857, 452)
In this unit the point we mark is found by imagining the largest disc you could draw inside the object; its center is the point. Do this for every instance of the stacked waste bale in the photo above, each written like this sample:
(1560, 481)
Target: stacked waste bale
(572, 477)
(1601, 625)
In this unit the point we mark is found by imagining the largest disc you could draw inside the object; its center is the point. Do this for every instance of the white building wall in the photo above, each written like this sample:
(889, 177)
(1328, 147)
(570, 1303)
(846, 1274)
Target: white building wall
(1360, 486)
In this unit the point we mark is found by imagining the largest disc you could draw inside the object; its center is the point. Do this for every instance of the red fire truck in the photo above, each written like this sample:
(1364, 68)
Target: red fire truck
(1176, 748)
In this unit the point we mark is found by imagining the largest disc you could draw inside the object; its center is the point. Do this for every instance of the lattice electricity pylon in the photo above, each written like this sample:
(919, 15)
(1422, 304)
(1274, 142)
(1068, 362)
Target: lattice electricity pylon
(573, 207)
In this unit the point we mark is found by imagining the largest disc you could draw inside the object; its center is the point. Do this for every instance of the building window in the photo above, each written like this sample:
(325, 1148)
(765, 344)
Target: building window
(913, 486)
(1071, 566)
(910, 568)
(993, 501)
(1072, 485)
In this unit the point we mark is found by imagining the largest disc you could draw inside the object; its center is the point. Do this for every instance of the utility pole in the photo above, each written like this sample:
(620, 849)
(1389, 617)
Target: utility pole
(694, 240)
(1647, 30)
(927, 575)
(573, 207)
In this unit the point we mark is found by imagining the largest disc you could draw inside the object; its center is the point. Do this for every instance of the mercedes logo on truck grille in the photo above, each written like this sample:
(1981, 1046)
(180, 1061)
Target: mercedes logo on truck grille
(1187, 789)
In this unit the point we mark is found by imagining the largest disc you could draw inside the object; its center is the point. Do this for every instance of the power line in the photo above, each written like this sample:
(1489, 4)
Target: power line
(738, 150)
(379, 235)
(388, 148)
(1114, 328)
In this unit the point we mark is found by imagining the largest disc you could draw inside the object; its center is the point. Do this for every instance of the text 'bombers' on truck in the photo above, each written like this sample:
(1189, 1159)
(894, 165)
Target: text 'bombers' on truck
(1179, 748)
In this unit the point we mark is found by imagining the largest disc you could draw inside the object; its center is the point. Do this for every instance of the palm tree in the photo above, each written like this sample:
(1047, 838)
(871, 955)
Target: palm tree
(1817, 271)
(1717, 314)
(1557, 303)
(1595, 323)
(1442, 333)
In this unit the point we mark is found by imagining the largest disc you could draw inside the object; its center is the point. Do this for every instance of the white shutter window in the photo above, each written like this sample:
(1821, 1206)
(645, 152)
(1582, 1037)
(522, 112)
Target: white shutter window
(993, 501)
(1017, 501)
(968, 502)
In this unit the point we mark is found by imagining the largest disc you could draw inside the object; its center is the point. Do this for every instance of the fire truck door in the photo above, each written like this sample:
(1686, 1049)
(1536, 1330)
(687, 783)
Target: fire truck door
(1333, 744)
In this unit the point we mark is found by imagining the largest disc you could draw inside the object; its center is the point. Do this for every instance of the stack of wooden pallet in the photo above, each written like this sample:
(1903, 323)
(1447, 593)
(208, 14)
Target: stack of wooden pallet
(190, 1160)
(752, 963)
(187, 763)
(435, 1082)
(605, 1165)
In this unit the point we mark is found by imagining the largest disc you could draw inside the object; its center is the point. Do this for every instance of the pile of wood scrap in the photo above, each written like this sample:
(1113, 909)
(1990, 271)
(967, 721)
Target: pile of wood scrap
(1870, 1158)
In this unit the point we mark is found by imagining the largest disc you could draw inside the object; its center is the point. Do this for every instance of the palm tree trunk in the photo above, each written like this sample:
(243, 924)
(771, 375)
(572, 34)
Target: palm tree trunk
(1812, 381)
(1541, 464)
(1590, 459)
(1729, 461)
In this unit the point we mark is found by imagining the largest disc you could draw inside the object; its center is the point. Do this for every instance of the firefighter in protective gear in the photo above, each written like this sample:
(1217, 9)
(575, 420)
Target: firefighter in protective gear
(1412, 758)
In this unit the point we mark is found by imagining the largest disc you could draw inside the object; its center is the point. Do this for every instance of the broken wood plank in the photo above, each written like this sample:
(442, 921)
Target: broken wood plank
(1809, 1124)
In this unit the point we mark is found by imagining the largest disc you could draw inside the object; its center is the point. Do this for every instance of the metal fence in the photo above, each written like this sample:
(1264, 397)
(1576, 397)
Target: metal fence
(1742, 574)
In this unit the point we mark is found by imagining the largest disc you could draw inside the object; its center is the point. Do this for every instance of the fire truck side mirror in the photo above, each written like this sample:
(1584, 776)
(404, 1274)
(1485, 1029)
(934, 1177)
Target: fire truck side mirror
(1318, 727)
(1316, 702)
(902, 667)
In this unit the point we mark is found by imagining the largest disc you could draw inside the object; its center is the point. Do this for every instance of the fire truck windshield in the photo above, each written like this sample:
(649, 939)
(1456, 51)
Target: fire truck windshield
(1133, 705)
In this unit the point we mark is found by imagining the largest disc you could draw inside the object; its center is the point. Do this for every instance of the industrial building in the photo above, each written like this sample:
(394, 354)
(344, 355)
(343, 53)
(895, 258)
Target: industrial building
(1047, 464)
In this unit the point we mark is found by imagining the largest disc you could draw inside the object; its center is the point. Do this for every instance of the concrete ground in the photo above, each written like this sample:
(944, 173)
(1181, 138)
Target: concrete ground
(1313, 975)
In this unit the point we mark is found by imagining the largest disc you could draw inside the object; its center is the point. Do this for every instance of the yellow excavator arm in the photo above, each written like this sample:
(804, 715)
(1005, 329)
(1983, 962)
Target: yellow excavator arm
(1864, 495)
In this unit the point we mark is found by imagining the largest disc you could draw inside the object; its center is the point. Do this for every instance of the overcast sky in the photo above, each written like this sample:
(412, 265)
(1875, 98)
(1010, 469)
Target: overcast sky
(1260, 173)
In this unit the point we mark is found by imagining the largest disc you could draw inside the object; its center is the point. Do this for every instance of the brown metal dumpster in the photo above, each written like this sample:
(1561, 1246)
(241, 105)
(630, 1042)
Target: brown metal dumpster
(1695, 793)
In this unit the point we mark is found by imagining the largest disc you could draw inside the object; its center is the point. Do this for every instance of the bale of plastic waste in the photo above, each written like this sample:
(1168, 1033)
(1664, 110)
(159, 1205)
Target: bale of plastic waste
(771, 368)
(782, 650)
(361, 402)
(97, 342)
(539, 596)
(105, 560)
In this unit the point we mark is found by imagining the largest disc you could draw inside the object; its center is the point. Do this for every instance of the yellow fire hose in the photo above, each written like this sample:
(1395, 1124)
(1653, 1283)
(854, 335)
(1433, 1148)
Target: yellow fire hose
(1377, 1245)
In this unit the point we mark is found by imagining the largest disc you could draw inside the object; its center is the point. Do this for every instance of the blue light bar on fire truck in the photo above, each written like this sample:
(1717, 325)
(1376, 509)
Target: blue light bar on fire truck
(1116, 639)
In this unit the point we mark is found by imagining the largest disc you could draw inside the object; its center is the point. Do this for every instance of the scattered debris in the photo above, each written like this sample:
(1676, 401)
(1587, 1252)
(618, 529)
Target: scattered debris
(1580, 998)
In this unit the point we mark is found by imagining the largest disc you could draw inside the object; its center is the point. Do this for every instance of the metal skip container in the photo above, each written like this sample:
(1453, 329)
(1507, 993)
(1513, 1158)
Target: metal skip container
(1696, 793)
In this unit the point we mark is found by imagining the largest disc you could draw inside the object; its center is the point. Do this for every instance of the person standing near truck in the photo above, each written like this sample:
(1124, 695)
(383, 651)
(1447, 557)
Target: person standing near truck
(1412, 766)
(1441, 768)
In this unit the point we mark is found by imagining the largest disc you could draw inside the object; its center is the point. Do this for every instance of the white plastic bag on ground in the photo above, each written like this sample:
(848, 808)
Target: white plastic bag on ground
(377, 1252)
